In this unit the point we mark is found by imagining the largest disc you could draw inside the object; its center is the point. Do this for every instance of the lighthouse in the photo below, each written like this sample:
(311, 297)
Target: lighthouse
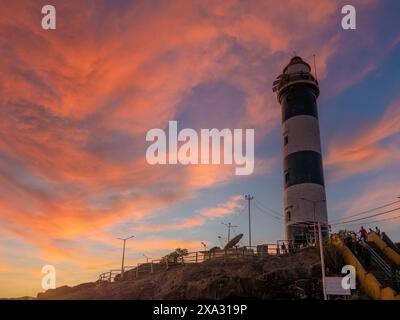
(304, 188)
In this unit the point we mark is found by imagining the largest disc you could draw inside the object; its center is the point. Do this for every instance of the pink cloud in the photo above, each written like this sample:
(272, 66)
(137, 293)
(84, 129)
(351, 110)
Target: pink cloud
(371, 148)
(69, 97)
(224, 209)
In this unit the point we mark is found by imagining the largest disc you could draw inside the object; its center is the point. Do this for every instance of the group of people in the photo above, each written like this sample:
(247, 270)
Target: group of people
(288, 249)
(363, 233)
(359, 245)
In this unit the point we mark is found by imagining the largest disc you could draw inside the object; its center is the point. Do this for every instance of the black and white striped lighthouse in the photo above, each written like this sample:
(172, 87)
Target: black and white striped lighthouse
(304, 191)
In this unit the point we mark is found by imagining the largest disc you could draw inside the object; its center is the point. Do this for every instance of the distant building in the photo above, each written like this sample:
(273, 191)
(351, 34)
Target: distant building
(304, 189)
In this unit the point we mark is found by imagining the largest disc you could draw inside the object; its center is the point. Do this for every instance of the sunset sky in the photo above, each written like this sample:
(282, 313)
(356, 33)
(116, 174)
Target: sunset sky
(76, 103)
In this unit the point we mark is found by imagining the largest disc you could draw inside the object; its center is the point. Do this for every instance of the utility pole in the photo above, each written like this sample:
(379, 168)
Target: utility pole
(123, 254)
(321, 251)
(248, 197)
(147, 258)
(229, 225)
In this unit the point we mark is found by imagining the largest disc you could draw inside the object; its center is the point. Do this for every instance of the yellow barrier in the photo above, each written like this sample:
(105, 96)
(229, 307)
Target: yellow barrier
(367, 281)
(389, 252)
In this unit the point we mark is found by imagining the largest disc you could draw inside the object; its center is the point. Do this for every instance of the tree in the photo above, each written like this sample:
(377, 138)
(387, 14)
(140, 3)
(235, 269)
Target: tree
(175, 255)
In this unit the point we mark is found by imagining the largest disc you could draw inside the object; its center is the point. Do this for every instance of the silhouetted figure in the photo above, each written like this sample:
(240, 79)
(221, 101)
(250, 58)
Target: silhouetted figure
(378, 232)
(283, 248)
(363, 233)
(290, 247)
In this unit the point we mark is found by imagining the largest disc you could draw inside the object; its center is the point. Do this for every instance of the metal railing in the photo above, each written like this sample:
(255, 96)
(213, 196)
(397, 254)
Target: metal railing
(389, 272)
(156, 265)
(390, 243)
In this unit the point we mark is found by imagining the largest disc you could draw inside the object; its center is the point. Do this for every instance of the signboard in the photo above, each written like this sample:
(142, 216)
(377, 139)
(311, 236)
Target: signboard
(334, 287)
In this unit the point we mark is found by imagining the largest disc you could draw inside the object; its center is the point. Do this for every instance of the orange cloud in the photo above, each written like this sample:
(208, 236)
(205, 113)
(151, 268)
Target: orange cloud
(75, 105)
(185, 224)
(224, 209)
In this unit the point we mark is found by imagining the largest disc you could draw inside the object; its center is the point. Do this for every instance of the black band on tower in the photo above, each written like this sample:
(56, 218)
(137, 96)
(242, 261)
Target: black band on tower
(303, 167)
(299, 100)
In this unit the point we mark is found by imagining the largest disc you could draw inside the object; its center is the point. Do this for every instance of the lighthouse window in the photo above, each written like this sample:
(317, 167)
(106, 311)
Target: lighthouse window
(285, 140)
(287, 177)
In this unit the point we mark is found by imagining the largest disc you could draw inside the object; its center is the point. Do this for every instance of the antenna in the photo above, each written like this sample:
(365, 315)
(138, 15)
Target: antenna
(315, 68)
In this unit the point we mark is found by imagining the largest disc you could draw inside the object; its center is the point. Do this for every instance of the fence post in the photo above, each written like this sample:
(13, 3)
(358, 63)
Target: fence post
(110, 277)
(151, 267)
(196, 256)
(166, 263)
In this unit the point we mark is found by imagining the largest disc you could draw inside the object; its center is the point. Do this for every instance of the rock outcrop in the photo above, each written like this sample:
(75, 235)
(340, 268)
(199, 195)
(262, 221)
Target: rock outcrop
(295, 276)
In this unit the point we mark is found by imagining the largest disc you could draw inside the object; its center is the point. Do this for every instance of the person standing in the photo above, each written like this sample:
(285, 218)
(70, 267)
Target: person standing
(283, 248)
(377, 231)
(363, 233)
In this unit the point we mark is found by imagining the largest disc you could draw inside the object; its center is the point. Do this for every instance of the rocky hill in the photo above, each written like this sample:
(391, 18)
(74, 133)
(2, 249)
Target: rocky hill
(294, 276)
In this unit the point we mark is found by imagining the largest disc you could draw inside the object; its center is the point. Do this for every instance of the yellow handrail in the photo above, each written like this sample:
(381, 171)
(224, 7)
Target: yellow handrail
(368, 282)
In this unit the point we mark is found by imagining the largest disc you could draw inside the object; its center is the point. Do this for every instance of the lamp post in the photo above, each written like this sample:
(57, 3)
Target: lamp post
(123, 253)
(220, 241)
(321, 252)
(229, 225)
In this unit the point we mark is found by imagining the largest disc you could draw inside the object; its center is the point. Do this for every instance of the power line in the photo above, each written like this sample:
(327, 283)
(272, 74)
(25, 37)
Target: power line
(267, 213)
(275, 220)
(373, 221)
(267, 208)
(371, 216)
(366, 211)
(241, 211)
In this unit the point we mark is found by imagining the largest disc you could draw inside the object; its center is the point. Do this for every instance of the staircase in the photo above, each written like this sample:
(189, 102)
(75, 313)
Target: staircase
(384, 270)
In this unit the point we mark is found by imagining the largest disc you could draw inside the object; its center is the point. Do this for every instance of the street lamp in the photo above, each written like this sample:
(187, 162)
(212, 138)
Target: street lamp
(314, 202)
(221, 240)
(229, 225)
(123, 254)
(147, 258)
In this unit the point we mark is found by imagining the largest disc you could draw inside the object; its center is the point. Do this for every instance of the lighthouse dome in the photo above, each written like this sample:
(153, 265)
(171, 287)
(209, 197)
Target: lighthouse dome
(297, 65)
